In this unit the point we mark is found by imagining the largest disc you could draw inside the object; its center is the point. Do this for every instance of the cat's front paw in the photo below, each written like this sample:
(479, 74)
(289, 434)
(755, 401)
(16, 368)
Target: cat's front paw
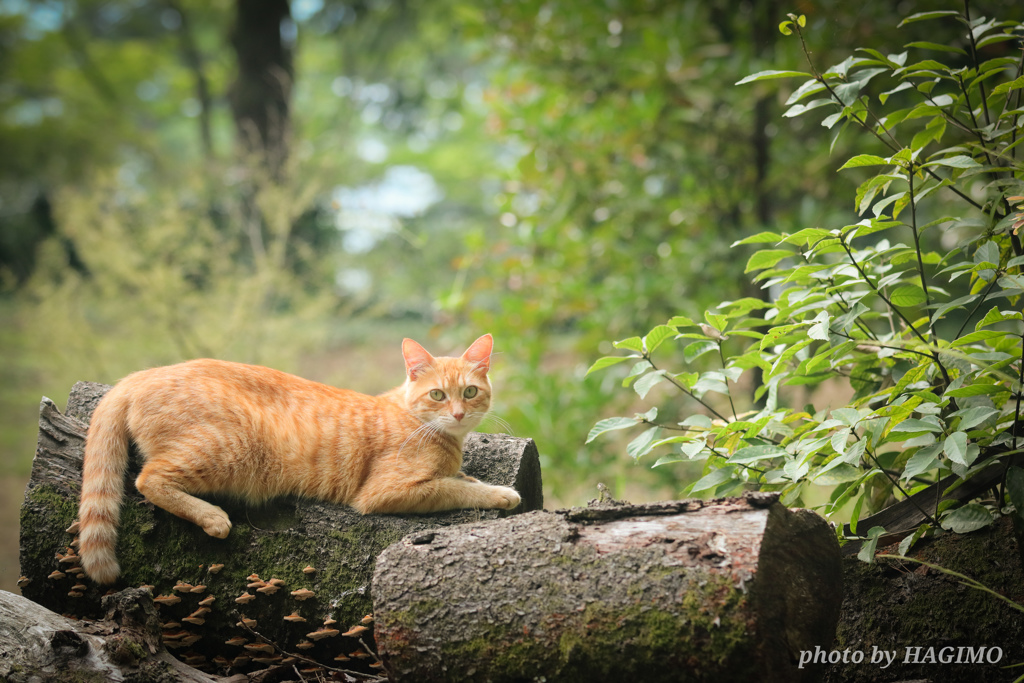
(506, 498)
(216, 523)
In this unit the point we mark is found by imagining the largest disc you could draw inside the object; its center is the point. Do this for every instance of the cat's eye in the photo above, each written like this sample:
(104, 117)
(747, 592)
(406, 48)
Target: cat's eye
(470, 392)
(437, 394)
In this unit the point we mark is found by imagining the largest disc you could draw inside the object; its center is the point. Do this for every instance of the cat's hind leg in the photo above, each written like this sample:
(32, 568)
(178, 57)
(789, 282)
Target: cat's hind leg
(164, 485)
(433, 495)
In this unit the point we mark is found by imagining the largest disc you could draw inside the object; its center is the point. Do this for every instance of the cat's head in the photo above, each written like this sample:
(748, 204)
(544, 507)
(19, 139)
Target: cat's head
(453, 394)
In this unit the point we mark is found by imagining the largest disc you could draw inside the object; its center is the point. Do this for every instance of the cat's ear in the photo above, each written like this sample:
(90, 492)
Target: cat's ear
(416, 358)
(479, 353)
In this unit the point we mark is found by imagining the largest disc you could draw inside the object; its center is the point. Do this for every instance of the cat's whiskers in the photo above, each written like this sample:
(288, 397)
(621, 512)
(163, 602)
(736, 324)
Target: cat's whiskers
(491, 417)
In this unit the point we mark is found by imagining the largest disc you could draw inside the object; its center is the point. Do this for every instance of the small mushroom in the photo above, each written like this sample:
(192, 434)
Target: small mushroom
(367, 620)
(322, 633)
(329, 621)
(167, 626)
(202, 611)
(147, 587)
(376, 665)
(70, 558)
(73, 529)
(198, 589)
(191, 640)
(359, 654)
(193, 660)
(304, 644)
(308, 570)
(175, 635)
(253, 577)
(276, 582)
(241, 660)
(80, 587)
(267, 660)
(206, 602)
(174, 644)
(268, 589)
(215, 568)
(259, 647)
(342, 658)
(249, 623)
(303, 594)
(237, 641)
(245, 597)
(183, 587)
(75, 594)
(257, 584)
(221, 660)
(24, 581)
(355, 631)
(294, 617)
(167, 599)
(198, 621)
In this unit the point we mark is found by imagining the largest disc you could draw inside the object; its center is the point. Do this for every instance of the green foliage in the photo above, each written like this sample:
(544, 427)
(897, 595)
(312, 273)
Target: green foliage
(926, 342)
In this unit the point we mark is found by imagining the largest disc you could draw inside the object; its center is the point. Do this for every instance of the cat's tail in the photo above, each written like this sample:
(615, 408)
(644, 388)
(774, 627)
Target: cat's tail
(106, 460)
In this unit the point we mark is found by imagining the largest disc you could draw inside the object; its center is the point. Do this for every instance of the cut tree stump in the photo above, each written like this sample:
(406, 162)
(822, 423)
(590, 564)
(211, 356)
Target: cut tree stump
(723, 590)
(278, 540)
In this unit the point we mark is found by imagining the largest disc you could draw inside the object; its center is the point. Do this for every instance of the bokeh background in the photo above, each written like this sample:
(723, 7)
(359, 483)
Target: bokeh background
(303, 183)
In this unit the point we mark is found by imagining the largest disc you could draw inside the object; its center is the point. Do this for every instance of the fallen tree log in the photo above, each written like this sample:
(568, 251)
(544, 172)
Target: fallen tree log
(724, 590)
(39, 645)
(208, 591)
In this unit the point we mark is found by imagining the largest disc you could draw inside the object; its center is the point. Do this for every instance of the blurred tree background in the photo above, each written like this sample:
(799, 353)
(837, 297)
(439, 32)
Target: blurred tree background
(303, 183)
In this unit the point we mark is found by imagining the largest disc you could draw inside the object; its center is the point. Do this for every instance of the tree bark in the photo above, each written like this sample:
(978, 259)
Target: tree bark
(934, 626)
(276, 540)
(725, 590)
(38, 645)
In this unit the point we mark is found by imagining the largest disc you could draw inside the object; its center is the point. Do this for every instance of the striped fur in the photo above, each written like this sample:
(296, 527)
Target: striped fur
(209, 426)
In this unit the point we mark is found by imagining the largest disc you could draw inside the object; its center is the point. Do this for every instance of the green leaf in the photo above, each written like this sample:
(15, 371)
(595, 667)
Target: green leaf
(907, 295)
(971, 417)
(644, 384)
(769, 75)
(924, 16)
(924, 45)
(975, 390)
(681, 321)
(633, 344)
(712, 479)
(908, 542)
(819, 330)
(865, 160)
(968, 518)
(867, 548)
(759, 238)
(955, 448)
(698, 349)
(611, 424)
(916, 426)
(658, 335)
(766, 258)
(837, 475)
(924, 460)
(751, 454)
(959, 161)
(606, 362)
(641, 445)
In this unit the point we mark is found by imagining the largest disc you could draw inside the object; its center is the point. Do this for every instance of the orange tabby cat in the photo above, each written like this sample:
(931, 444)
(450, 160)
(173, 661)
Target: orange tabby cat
(209, 426)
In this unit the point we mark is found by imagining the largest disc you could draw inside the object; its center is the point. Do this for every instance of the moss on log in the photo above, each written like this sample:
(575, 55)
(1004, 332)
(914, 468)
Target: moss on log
(277, 540)
(935, 627)
(726, 590)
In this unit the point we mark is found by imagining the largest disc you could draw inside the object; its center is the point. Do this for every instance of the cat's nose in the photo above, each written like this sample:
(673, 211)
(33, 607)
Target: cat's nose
(458, 416)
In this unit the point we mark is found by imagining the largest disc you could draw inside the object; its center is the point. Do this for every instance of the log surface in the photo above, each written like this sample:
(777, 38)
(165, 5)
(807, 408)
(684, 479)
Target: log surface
(726, 590)
(276, 540)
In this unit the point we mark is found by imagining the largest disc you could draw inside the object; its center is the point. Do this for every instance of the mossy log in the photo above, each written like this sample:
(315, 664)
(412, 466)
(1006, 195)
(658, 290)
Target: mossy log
(39, 645)
(930, 625)
(279, 540)
(722, 590)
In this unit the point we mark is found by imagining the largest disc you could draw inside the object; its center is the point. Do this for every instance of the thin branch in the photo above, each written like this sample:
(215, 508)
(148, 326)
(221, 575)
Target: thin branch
(975, 309)
(917, 248)
(686, 391)
(896, 483)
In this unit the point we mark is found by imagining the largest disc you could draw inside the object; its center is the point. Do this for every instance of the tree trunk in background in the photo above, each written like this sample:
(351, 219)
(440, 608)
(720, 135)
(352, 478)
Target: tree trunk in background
(276, 540)
(726, 590)
(260, 97)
